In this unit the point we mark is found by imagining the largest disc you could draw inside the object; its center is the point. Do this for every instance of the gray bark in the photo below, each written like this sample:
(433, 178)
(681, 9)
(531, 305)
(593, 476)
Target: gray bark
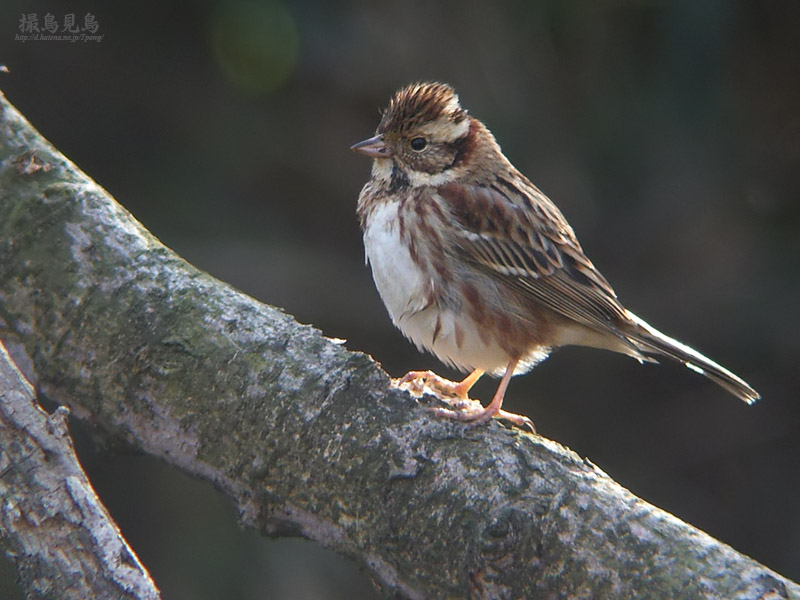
(52, 524)
(306, 437)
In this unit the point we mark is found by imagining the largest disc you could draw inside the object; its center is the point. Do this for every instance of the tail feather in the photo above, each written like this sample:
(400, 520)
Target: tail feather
(649, 341)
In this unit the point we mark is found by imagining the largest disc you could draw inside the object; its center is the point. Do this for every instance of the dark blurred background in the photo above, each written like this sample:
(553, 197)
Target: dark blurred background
(667, 132)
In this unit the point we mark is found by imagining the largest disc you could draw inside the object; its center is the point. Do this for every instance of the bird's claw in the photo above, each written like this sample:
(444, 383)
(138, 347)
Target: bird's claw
(520, 421)
(418, 381)
(460, 407)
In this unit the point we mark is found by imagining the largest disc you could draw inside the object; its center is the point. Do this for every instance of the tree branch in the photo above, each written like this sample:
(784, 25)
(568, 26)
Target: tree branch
(306, 437)
(51, 522)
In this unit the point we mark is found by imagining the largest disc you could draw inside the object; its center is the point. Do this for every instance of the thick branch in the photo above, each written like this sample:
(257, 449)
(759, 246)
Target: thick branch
(51, 522)
(308, 438)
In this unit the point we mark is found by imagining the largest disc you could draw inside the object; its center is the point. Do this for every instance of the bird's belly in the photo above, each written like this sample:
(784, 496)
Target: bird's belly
(407, 292)
(400, 281)
(455, 339)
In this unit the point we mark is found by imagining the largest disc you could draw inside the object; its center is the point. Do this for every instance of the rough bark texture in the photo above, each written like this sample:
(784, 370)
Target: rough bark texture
(306, 437)
(64, 542)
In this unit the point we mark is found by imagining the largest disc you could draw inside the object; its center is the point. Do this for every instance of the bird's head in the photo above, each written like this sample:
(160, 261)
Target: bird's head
(425, 134)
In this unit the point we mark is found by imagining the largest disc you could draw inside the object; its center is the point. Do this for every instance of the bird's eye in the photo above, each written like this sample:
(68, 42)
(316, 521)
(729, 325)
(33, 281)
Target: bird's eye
(418, 144)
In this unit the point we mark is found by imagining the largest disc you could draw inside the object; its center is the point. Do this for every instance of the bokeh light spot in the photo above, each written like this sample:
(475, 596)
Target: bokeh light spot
(255, 44)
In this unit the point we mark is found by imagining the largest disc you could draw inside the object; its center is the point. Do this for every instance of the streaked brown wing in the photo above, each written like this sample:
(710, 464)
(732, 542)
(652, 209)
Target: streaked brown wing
(521, 237)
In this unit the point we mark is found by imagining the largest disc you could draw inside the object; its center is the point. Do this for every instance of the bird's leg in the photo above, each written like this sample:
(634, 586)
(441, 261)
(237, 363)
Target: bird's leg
(466, 410)
(444, 388)
(462, 388)
(495, 406)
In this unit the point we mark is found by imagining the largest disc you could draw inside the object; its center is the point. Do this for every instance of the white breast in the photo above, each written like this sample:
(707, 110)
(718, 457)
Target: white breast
(400, 282)
(453, 337)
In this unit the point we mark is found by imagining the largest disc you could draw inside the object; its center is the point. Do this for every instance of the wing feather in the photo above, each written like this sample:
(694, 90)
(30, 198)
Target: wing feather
(529, 246)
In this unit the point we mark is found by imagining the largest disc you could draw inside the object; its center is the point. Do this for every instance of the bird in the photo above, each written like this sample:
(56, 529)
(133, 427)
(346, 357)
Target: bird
(479, 267)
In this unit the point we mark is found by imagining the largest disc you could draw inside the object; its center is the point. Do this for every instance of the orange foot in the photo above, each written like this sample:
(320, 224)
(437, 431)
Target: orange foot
(456, 395)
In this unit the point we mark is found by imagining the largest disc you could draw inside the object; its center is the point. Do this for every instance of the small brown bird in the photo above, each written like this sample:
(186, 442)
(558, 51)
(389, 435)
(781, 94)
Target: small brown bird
(478, 266)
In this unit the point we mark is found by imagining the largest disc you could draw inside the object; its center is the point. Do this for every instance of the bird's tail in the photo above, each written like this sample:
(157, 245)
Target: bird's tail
(652, 343)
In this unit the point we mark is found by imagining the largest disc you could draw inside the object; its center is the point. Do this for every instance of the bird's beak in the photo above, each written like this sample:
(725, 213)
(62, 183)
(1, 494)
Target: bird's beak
(373, 147)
